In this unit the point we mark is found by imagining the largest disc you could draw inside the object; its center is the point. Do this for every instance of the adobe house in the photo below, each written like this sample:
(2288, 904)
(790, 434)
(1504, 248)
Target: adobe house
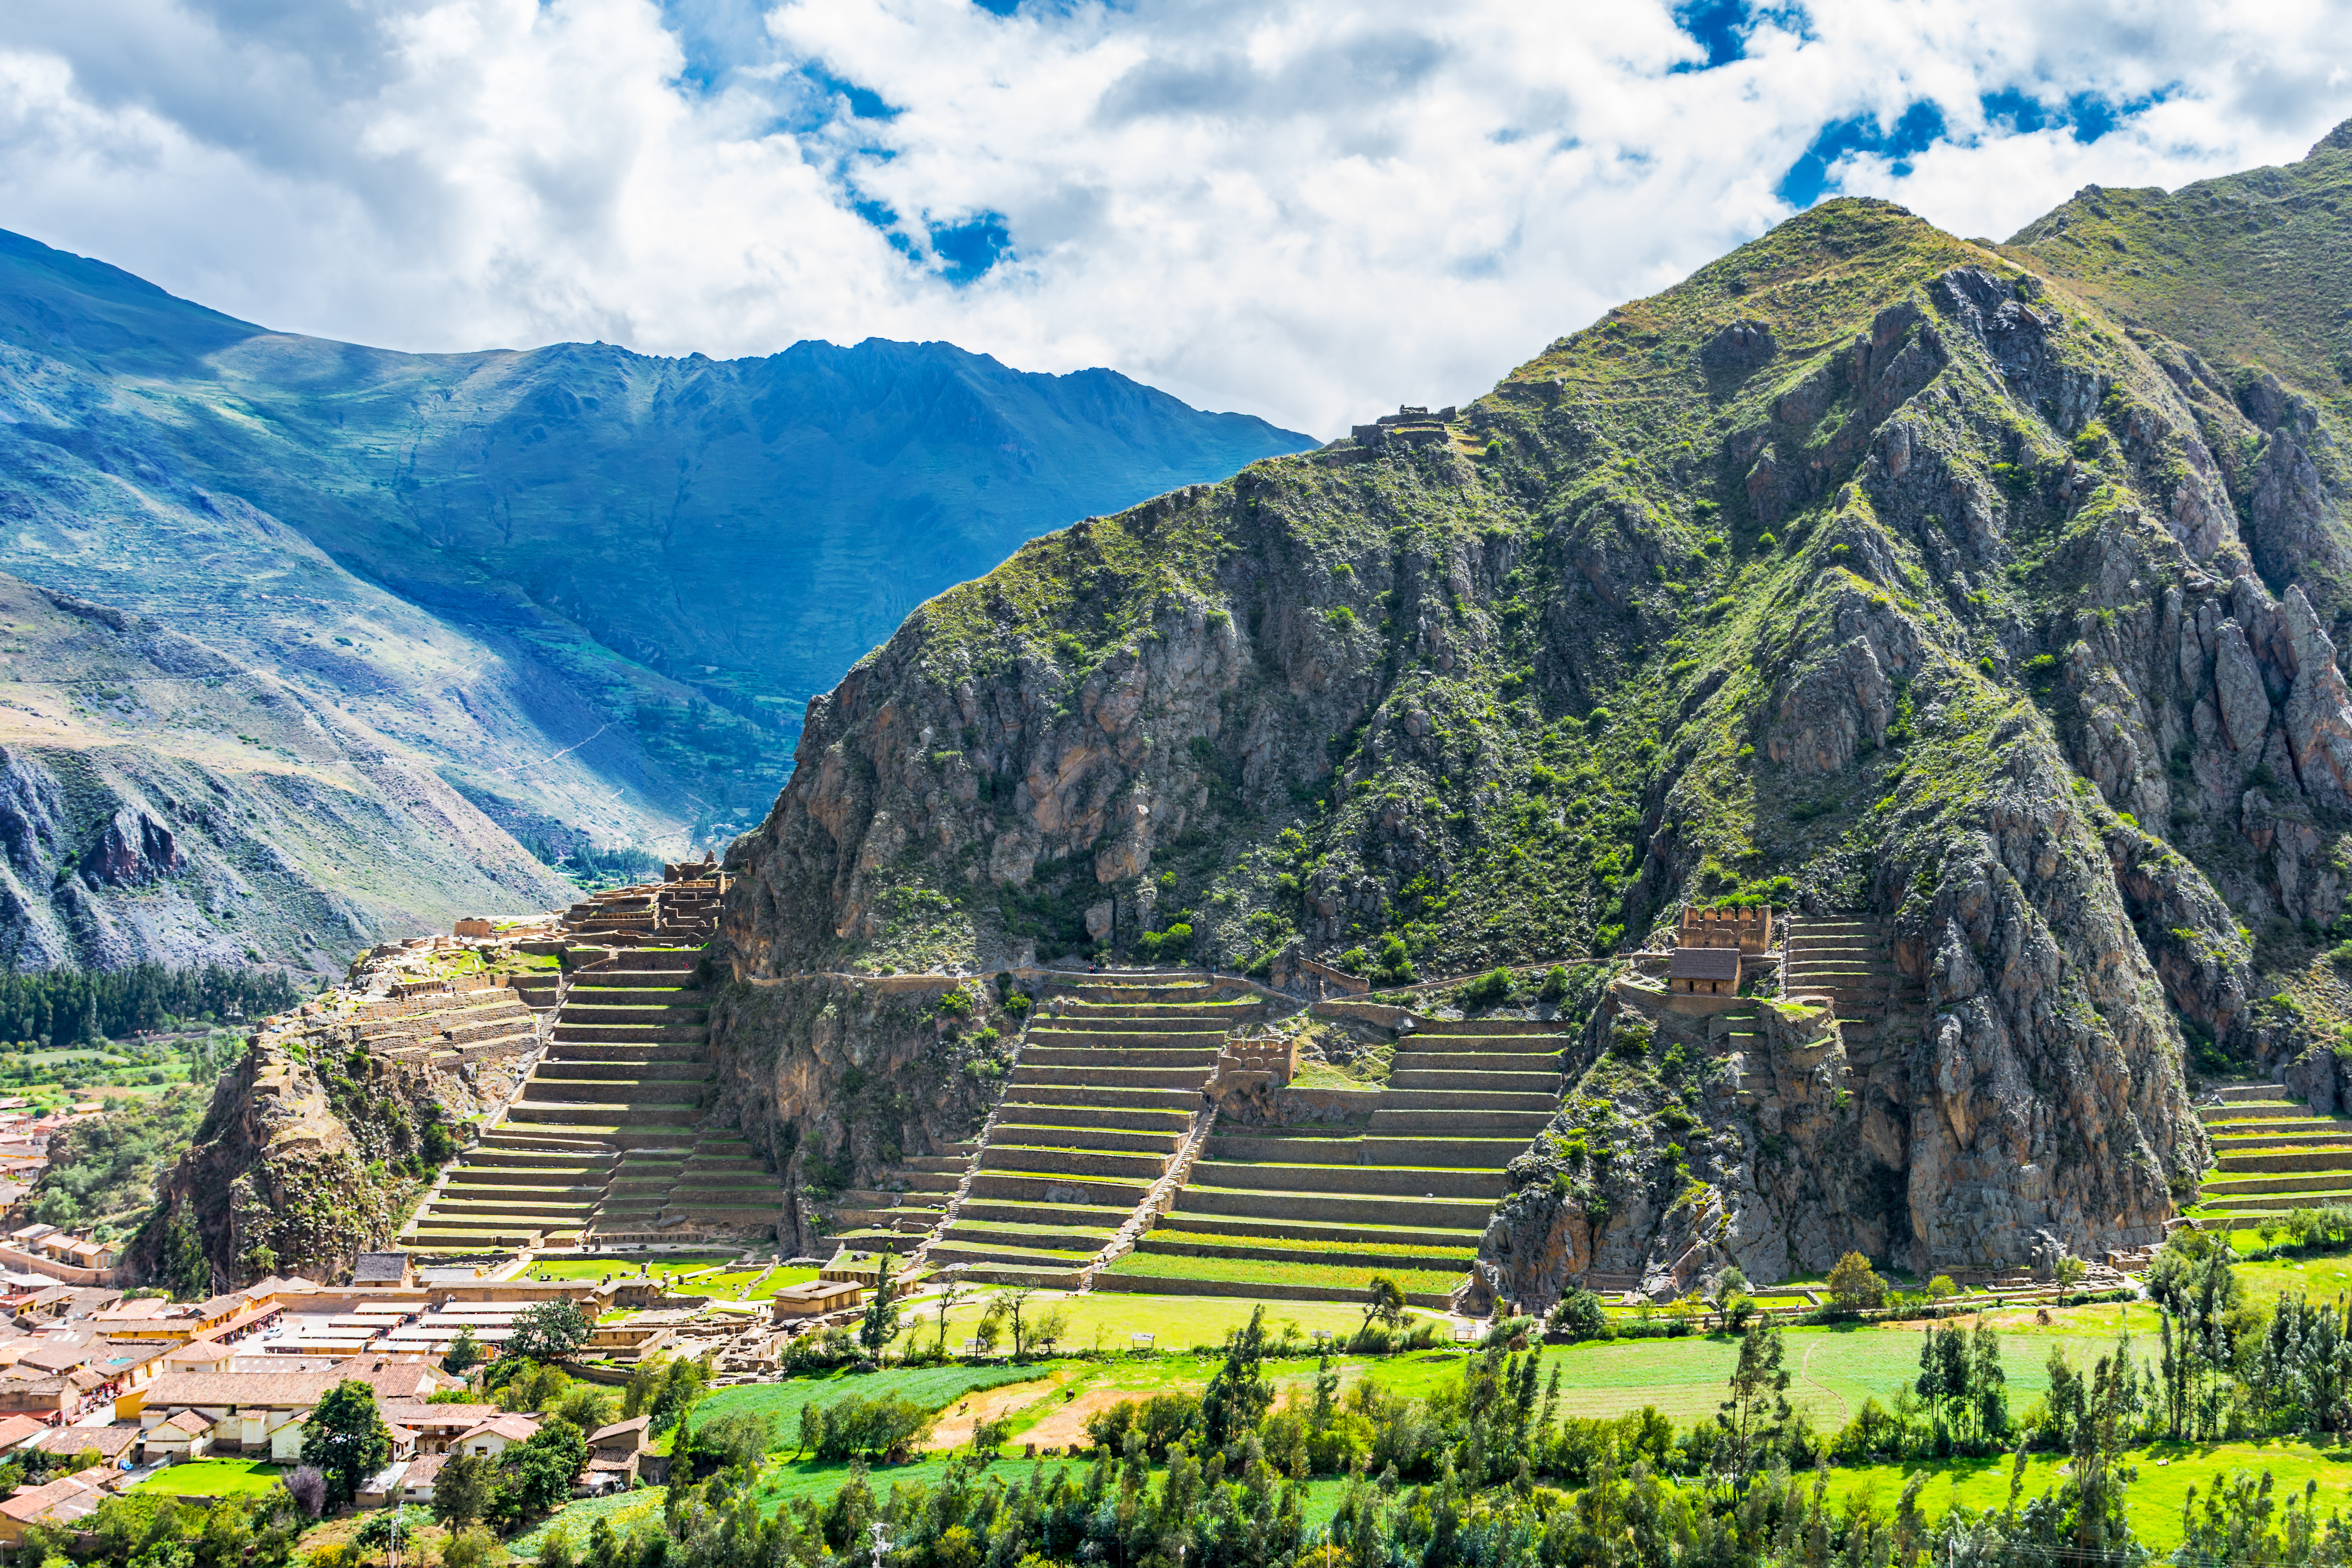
(1705, 972)
(815, 1298)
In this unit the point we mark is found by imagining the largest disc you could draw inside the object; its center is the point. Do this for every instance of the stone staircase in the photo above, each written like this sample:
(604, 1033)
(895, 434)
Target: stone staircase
(1105, 1089)
(605, 1141)
(1310, 1212)
(1880, 1013)
(2272, 1155)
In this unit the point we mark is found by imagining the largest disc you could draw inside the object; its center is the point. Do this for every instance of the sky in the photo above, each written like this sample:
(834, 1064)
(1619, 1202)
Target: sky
(1309, 210)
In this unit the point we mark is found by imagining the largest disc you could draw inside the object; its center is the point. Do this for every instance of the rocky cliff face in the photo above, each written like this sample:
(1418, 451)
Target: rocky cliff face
(1868, 571)
(833, 1080)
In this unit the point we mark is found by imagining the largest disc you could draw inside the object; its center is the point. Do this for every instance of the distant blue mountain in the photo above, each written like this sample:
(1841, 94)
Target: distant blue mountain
(687, 548)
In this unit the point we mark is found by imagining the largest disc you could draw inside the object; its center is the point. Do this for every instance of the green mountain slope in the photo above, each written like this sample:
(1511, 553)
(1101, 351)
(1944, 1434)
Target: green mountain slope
(587, 589)
(1866, 569)
(2250, 276)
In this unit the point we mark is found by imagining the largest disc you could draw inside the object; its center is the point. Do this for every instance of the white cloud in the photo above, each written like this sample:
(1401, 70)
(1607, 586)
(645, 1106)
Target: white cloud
(1302, 209)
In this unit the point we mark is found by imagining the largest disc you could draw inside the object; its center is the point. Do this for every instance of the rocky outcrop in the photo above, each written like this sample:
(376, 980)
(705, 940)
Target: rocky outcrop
(833, 1080)
(293, 1170)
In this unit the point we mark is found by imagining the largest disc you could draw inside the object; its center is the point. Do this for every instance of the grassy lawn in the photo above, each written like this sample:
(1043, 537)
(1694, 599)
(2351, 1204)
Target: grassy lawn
(1252, 1271)
(932, 1386)
(2166, 1471)
(2315, 1277)
(211, 1478)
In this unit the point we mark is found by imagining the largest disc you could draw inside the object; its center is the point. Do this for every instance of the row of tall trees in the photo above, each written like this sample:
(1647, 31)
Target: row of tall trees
(61, 1007)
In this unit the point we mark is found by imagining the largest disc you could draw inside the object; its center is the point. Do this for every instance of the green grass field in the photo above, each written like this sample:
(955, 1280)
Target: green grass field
(2317, 1277)
(623, 1509)
(211, 1478)
(2167, 1472)
(932, 1386)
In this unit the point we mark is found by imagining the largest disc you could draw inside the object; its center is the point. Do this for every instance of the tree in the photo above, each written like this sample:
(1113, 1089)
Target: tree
(308, 1488)
(464, 1353)
(1382, 1301)
(346, 1438)
(1758, 1409)
(1728, 1286)
(1239, 1395)
(461, 1490)
(880, 1324)
(548, 1331)
(474, 1548)
(1853, 1284)
(1578, 1316)
(1015, 1302)
(535, 1476)
(1943, 1381)
(951, 1290)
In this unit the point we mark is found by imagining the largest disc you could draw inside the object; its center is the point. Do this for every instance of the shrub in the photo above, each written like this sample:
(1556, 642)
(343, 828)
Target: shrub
(1489, 990)
(956, 1004)
(1555, 983)
(1342, 619)
(1853, 1284)
(1940, 1286)
(1016, 1006)
(1578, 1316)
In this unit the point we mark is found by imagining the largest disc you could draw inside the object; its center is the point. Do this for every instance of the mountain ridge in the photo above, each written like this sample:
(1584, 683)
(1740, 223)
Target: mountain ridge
(1868, 570)
(585, 589)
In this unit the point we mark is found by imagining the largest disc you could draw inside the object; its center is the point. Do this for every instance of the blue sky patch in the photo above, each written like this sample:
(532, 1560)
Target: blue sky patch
(1808, 179)
(864, 101)
(2086, 115)
(1719, 26)
(968, 250)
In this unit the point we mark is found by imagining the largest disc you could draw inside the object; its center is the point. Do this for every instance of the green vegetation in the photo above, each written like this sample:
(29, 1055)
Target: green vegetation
(213, 1477)
(63, 1007)
(103, 1171)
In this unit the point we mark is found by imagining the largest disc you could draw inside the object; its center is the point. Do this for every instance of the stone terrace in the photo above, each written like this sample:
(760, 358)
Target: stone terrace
(2272, 1155)
(1311, 1213)
(1105, 1092)
(607, 1139)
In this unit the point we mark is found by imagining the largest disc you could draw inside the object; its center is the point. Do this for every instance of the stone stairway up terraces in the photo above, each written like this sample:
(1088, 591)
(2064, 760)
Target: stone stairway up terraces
(1105, 1093)
(605, 1136)
(2271, 1153)
(1880, 1013)
(1311, 1213)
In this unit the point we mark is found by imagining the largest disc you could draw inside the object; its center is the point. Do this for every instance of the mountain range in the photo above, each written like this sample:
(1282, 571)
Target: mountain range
(460, 604)
(1982, 600)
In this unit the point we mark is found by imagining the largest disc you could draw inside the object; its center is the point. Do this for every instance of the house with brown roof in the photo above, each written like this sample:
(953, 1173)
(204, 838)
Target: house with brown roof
(109, 1442)
(183, 1435)
(613, 1454)
(493, 1436)
(17, 1430)
(416, 1481)
(437, 1427)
